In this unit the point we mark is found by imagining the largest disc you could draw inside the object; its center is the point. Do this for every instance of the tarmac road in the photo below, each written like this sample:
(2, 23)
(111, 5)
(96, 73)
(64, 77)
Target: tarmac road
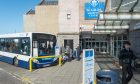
(7, 78)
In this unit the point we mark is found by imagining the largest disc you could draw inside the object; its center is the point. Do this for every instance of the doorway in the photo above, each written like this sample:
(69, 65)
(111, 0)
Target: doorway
(68, 42)
(99, 46)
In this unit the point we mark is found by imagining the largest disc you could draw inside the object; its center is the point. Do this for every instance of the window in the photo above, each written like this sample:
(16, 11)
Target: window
(34, 44)
(15, 46)
(125, 37)
(9, 45)
(119, 37)
(68, 16)
(45, 48)
(2, 44)
(25, 46)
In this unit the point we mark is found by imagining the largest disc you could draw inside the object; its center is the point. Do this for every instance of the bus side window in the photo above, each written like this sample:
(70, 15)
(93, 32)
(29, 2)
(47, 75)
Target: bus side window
(0, 45)
(16, 46)
(25, 46)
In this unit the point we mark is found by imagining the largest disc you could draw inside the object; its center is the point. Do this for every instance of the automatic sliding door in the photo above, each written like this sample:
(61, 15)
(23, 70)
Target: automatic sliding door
(104, 47)
(93, 45)
(97, 47)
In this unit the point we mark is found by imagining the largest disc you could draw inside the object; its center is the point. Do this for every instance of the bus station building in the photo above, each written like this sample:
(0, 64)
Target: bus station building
(100, 24)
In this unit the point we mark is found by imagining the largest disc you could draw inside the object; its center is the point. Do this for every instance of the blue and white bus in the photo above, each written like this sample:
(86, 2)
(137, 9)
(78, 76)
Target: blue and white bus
(18, 48)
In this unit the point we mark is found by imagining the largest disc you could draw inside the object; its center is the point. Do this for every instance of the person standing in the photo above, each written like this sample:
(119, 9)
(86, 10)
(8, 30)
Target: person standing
(75, 53)
(68, 52)
(62, 50)
(78, 53)
(71, 54)
(125, 60)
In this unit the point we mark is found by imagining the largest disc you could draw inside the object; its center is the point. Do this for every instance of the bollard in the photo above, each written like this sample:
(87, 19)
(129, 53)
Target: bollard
(94, 81)
(30, 66)
(60, 61)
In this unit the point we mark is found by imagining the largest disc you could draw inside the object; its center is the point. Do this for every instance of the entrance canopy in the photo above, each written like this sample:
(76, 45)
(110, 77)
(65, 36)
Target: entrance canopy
(117, 15)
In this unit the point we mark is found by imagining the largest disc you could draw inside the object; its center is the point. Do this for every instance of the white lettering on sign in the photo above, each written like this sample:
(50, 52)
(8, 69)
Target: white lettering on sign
(88, 66)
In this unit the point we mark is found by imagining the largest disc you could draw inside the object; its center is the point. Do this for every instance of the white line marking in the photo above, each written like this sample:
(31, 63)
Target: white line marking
(10, 74)
(1, 69)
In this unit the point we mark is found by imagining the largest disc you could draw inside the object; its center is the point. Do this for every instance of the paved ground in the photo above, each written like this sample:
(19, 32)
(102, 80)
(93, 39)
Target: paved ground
(7, 78)
(108, 62)
(69, 73)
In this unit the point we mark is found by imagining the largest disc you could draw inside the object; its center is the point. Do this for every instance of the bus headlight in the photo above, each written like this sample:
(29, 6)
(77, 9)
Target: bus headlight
(35, 61)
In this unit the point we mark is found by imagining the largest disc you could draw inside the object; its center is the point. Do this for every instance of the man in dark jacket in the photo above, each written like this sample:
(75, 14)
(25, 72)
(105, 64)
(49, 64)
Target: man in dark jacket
(78, 53)
(125, 58)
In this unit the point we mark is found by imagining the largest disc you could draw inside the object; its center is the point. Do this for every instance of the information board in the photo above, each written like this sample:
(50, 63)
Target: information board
(88, 66)
(92, 9)
(57, 50)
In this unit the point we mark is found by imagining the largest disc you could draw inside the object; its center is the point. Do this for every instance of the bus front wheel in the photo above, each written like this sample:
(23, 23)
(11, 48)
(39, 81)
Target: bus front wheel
(15, 61)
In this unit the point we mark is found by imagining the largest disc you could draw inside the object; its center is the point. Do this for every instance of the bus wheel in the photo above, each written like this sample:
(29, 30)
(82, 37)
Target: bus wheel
(15, 61)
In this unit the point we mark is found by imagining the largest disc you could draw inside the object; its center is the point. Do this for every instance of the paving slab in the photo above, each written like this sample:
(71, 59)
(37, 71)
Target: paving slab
(110, 63)
(69, 73)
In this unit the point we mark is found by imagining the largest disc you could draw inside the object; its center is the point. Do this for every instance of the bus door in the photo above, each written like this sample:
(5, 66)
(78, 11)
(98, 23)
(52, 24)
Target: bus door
(35, 49)
(42, 47)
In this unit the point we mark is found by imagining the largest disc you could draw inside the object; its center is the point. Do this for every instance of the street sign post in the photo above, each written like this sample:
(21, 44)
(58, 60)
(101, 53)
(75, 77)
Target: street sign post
(57, 50)
(88, 66)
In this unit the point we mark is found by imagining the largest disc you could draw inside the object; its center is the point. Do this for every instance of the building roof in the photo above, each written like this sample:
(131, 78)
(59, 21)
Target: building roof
(31, 11)
(48, 2)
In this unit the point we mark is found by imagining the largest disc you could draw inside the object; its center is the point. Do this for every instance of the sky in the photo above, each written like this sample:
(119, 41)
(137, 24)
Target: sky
(11, 14)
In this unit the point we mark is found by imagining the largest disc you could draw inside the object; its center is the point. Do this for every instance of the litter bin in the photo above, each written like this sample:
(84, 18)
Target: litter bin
(106, 77)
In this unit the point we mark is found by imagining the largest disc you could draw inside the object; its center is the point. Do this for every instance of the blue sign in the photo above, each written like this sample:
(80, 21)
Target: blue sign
(89, 53)
(88, 66)
(92, 9)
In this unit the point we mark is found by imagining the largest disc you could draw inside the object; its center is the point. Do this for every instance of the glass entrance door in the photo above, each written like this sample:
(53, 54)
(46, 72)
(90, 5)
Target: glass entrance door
(98, 46)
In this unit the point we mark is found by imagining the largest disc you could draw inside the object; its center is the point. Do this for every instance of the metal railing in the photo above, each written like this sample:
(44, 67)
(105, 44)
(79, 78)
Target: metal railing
(31, 60)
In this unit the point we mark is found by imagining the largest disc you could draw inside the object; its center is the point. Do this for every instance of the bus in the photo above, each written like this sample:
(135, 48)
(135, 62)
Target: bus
(18, 48)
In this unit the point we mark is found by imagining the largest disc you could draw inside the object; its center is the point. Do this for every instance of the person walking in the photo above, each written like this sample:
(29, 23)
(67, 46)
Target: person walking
(125, 60)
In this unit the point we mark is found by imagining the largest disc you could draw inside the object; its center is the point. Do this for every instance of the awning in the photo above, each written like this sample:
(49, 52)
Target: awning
(119, 16)
(112, 27)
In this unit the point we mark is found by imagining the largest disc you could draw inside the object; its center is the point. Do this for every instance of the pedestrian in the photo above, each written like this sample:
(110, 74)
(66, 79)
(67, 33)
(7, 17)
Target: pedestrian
(71, 54)
(75, 53)
(68, 52)
(78, 53)
(125, 60)
(62, 50)
(64, 58)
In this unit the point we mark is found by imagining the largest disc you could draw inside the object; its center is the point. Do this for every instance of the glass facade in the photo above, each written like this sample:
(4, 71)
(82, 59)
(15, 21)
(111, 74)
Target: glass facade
(118, 44)
(98, 46)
